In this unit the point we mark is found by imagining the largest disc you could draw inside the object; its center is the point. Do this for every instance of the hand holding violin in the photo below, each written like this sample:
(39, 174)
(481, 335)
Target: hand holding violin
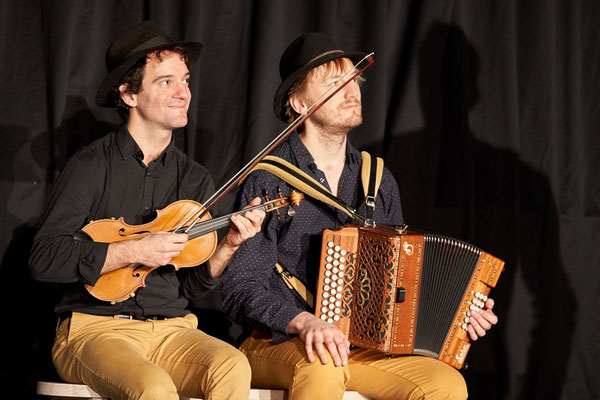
(243, 227)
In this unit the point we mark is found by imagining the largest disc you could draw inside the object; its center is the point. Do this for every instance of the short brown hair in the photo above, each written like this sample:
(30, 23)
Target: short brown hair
(339, 64)
(134, 76)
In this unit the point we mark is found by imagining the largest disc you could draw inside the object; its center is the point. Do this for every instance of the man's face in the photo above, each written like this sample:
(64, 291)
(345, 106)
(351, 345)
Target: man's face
(165, 96)
(344, 110)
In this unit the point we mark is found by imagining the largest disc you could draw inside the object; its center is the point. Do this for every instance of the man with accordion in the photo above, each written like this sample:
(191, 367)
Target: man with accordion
(287, 345)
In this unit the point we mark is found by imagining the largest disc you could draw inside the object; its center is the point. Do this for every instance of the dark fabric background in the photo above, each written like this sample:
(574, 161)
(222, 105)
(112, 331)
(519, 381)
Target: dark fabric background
(487, 113)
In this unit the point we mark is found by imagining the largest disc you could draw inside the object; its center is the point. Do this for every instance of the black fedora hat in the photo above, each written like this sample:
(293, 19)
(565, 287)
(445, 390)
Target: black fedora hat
(127, 49)
(303, 54)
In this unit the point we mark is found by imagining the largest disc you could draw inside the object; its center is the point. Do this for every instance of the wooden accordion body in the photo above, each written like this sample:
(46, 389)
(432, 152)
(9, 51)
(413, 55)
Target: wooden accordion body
(402, 292)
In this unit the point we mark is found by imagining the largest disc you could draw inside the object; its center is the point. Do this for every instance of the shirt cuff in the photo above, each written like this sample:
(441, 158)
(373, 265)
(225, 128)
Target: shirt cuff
(282, 319)
(90, 265)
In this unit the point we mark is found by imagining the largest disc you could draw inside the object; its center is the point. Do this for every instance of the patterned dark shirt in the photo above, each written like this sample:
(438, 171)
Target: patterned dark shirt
(254, 295)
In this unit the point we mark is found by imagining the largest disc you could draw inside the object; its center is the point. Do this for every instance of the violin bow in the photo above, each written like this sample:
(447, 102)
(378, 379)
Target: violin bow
(348, 77)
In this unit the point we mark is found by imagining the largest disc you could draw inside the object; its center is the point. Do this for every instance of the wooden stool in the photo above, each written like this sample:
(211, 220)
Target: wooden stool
(70, 391)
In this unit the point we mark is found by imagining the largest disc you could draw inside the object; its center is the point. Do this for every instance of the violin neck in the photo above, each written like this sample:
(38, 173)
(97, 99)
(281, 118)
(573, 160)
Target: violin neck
(204, 227)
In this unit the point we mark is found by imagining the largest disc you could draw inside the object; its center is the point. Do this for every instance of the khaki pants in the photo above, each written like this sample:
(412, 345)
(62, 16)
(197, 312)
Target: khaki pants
(130, 359)
(285, 366)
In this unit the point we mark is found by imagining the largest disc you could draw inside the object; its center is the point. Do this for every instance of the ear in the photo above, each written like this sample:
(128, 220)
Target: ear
(297, 103)
(129, 98)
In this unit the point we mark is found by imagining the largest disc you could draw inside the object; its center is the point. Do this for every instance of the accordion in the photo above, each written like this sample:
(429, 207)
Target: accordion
(402, 292)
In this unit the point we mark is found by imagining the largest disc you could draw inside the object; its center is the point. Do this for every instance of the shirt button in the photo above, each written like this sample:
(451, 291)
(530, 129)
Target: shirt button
(149, 173)
(146, 208)
(322, 180)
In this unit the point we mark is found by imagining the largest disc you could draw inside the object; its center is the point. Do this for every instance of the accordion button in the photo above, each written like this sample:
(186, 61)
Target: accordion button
(327, 280)
(330, 320)
(325, 302)
(331, 306)
(330, 244)
(330, 313)
(464, 326)
(329, 251)
(336, 255)
(467, 320)
(343, 252)
(341, 275)
(328, 273)
(324, 309)
(335, 270)
(337, 310)
(338, 303)
(341, 266)
(336, 317)
(342, 259)
(328, 266)
(333, 284)
(336, 262)
(337, 248)
(326, 288)
(333, 292)
(338, 296)
(329, 259)
(323, 316)
(325, 294)
(340, 282)
(484, 298)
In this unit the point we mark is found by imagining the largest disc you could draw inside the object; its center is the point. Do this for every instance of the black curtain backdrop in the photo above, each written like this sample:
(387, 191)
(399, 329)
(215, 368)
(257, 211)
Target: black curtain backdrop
(486, 112)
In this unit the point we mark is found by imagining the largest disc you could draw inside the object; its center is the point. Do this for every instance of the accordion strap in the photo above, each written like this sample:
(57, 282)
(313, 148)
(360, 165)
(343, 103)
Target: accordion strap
(305, 183)
(371, 174)
(295, 285)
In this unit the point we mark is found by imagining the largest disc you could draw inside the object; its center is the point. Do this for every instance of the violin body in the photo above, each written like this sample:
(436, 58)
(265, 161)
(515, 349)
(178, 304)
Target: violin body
(120, 284)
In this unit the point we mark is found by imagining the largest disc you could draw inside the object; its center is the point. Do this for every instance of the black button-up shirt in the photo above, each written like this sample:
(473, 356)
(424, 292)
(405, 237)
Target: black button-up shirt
(108, 179)
(254, 294)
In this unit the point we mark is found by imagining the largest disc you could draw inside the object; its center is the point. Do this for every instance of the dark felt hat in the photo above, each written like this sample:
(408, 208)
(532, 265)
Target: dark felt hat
(303, 54)
(127, 49)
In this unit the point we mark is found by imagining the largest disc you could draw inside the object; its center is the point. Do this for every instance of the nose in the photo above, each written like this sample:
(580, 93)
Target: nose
(352, 90)
(182, 91)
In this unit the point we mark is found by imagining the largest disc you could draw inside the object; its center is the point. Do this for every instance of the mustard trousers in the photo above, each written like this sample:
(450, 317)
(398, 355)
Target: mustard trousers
(285, 366)
(130, 359)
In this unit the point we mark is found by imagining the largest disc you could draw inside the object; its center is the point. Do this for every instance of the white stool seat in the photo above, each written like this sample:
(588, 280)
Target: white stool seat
(61, 390)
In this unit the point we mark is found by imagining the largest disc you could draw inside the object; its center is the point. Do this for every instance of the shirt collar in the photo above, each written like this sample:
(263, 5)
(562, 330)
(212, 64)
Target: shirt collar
(129, 148)
(305, 159)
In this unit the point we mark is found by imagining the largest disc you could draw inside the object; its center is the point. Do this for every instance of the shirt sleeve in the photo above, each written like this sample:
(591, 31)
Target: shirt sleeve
(390, 199)
(55, 255)
(248, 297)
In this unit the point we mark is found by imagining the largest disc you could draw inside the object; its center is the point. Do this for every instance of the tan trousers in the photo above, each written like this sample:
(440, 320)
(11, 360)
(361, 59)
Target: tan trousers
(285, 366)
(130, 359)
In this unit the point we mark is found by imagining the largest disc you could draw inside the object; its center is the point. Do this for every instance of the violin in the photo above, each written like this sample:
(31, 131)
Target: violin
(121, 284)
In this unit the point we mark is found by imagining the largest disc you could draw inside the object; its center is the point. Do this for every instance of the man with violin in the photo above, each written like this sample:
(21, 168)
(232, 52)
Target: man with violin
(145, 344)
(281, 333)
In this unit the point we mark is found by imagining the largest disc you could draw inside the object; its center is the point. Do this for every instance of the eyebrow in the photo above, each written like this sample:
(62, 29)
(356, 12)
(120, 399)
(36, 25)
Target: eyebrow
(160, 77)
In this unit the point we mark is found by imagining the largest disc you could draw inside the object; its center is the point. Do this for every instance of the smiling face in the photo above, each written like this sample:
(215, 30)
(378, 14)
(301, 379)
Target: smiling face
(164, 98)
(344, 110)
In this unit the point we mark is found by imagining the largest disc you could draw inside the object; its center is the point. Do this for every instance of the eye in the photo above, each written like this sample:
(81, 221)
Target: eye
(186, 81)
(165, 82)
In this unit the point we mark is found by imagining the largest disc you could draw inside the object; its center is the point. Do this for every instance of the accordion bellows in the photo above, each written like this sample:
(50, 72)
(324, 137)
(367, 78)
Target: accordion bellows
(402, 292)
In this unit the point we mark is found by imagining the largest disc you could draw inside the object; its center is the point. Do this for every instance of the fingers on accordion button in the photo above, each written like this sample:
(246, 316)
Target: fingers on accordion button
(464, 326)
(467, 320)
